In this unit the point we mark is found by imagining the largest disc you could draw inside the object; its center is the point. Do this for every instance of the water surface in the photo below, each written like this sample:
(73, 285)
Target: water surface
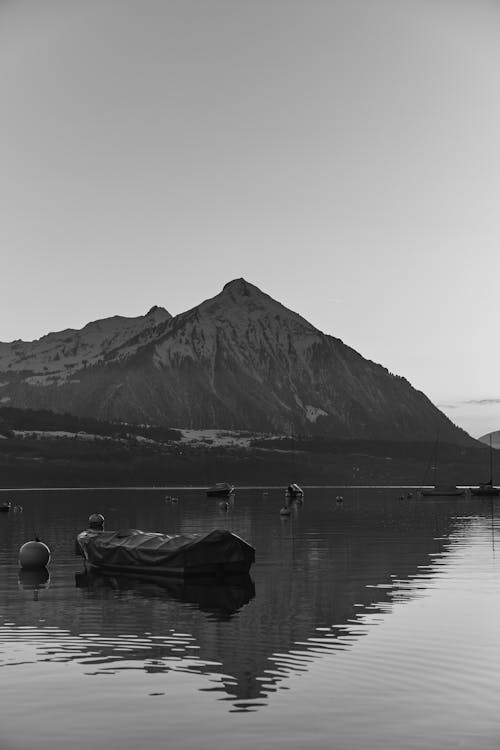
(372, 623)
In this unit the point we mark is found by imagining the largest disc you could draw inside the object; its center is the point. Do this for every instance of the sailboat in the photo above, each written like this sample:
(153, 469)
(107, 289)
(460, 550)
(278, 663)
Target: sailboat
(486, 488)
(293, 491)
(440, 490)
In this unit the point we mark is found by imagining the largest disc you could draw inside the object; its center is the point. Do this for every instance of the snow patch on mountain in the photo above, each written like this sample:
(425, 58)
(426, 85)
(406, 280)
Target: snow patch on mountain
(313, 412)
(247, 326)
(52, 358)
(218, 438)
(85, 436)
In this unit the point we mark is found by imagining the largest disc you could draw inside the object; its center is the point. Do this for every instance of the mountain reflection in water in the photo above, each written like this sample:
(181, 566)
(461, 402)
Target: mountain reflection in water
(319, 578)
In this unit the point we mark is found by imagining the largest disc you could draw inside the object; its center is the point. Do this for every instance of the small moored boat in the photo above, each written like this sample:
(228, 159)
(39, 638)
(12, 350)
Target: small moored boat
(217, 553)
(221, 489)
(487, 489)
(293, 491)
(442, 490)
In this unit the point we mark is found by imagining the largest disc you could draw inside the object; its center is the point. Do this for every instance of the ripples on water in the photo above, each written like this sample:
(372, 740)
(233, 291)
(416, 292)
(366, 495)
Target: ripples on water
(371, 624)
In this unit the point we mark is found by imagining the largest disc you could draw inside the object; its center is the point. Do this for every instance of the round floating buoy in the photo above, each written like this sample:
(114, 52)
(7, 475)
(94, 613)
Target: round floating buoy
(223, 505)
(96, 521)
(34, 555)
(285, 511)
(339, 499)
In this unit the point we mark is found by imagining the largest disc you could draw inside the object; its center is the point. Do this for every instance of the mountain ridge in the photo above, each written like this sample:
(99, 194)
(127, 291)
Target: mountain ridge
(238, 360)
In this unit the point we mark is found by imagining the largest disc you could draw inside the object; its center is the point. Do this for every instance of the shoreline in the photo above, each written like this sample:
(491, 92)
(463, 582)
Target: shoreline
(162, 488)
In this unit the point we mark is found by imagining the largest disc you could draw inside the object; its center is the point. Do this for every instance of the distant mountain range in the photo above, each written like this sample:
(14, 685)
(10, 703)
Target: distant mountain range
(240, 360)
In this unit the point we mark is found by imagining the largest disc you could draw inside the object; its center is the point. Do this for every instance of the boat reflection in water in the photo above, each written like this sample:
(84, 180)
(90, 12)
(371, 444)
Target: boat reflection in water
(221, 598)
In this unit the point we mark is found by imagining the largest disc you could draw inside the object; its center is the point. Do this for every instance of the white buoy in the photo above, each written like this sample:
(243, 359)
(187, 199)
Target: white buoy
(34, 555)
(339, 499)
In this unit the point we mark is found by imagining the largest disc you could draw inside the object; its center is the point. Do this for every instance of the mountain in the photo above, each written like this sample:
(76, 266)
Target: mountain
(495, 439)
(240, 360)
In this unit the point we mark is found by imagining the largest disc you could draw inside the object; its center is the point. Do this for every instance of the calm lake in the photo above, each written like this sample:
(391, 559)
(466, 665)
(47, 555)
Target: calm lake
(374, 623)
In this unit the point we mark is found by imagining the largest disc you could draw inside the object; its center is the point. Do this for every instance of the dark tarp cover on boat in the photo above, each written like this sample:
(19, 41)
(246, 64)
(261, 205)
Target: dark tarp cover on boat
(133, 548)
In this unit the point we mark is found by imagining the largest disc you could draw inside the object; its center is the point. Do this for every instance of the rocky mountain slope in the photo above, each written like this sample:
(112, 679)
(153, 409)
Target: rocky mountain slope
(240, 360)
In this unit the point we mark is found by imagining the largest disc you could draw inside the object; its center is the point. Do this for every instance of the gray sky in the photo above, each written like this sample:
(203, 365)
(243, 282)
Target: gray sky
(344, 156)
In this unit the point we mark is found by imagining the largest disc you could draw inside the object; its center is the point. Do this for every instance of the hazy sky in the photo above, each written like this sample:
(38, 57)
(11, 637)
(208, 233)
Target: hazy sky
(342, 155)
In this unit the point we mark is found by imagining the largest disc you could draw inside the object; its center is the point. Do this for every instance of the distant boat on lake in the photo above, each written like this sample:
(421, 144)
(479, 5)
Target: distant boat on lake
(486, 489)
(294, 492)
(221, 489)
(440, 490)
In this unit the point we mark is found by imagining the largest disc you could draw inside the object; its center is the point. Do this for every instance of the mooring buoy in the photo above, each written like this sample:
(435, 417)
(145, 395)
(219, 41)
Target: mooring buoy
(34, 555)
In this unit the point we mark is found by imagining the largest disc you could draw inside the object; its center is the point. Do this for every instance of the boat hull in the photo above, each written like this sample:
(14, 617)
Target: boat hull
(210, 571)
(220, 491)
(485, 491)
(436, 492)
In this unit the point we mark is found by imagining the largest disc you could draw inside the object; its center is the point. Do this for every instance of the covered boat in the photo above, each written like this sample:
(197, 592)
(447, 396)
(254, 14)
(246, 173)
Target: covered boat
(221, 489)
(218, 552)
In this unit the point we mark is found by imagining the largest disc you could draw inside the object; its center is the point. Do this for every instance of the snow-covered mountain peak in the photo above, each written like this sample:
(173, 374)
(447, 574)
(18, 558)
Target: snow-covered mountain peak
(57, 356)
(242, 320)
(243, 301)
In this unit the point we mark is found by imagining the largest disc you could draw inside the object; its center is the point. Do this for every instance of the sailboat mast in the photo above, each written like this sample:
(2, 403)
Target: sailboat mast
(436, 458)
(491, 462)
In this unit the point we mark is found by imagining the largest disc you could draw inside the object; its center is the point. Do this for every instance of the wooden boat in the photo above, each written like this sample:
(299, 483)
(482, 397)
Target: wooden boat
(221, 489)
(135, 552)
